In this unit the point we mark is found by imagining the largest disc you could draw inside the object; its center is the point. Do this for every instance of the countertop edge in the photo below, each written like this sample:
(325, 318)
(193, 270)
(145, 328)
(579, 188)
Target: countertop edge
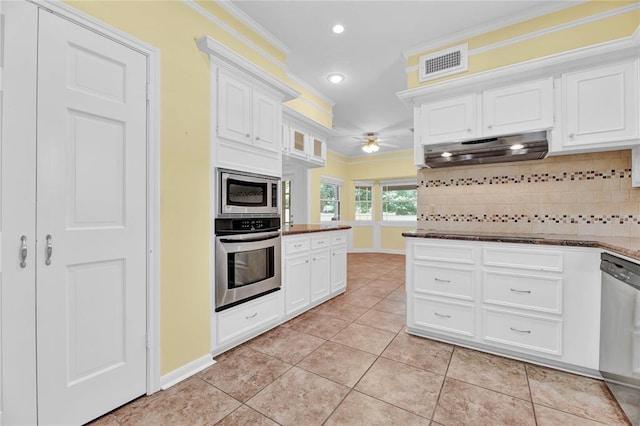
(550, 239)
(308, 229)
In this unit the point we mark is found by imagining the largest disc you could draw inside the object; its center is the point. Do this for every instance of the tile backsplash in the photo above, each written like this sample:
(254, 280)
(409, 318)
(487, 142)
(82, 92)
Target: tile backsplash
(583, 194)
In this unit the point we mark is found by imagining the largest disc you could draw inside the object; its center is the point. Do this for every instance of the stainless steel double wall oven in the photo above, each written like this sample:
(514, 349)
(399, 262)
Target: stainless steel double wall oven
(248, 239)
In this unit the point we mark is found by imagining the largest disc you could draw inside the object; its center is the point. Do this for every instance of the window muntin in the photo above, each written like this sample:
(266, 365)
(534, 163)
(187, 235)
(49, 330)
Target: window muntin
(363, 206)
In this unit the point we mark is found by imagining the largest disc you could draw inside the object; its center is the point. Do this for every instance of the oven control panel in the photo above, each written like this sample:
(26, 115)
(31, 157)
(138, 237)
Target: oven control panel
(246, 225)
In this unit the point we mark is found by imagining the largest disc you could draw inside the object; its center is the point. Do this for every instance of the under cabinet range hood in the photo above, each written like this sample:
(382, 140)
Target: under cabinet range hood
(502, 149)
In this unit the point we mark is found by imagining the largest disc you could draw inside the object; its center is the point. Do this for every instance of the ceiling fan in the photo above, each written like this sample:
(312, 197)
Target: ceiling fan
(370, 142)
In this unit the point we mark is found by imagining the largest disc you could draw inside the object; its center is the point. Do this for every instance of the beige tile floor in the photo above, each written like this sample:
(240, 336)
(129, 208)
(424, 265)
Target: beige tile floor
(350, 362)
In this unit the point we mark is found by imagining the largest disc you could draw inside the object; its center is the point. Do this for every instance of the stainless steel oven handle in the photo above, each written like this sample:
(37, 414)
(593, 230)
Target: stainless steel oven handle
(249, 238)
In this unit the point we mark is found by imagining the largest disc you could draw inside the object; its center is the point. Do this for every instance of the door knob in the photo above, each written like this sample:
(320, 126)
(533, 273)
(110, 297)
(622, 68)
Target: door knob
(23, 251)
(49, 251)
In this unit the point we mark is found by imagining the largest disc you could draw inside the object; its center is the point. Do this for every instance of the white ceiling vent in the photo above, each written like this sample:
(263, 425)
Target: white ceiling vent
(444, 62)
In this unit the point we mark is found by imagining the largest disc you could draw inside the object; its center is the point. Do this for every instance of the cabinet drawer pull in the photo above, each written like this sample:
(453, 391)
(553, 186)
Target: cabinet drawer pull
(297, 245)
(252, 316)
(441, 316)
(515, 290)
(438, 280)
(516, 330)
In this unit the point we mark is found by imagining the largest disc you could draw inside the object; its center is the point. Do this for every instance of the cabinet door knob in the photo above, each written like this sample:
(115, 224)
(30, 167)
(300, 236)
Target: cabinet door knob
(490, 126)
(257, 138)
(571, 135)
(469, 130)
(247, 135)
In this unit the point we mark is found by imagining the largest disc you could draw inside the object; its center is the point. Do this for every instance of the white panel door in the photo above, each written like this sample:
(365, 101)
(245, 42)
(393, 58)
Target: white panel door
(266, 121)
(91, 223)
(601, 105)
(448, 120)
(519, 108)
(234, 108)
(320, 276)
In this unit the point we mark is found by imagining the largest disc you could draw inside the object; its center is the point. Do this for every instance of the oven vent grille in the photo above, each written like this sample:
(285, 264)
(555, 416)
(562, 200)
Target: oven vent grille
(444, 62)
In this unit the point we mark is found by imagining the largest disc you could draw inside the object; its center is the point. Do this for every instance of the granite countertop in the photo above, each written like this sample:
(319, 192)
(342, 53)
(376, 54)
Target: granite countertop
(307, 228)
(626, 246)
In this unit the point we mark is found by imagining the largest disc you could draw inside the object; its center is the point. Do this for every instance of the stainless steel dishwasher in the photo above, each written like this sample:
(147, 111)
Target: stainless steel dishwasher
(620, 332)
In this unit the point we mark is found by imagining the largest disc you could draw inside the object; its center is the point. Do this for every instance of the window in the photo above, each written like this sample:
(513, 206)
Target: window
(363, 201)
(286, 202)
(399, 200)
(330, 193)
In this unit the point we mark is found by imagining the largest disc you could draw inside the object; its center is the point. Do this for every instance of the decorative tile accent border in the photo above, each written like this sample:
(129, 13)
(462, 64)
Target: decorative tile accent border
(525, 218)
(532, 178)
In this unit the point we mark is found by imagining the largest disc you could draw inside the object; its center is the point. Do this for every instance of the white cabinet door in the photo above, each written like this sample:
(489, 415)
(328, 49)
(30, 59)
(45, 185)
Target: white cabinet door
(297, 270)
(234, 108)
(320, 266)
(600, 105)
(518, 108)
(635, 166)
(298, 142)
(318, 150)
(266, 121)
(338, 268)
(448, 120)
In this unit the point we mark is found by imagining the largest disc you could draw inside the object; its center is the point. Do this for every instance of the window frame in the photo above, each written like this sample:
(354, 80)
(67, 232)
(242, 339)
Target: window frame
(397, 183)
(356, 202)
(339, 184)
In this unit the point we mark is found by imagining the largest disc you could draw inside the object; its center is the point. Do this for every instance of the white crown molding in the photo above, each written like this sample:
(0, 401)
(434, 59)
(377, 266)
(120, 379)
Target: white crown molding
(315, 106)
(473, 32)
(546, 31)
(220, 23)
(627, 47)
(556, 28)
(290, 114)
(248, 21)
(218, 52)
(310, 88)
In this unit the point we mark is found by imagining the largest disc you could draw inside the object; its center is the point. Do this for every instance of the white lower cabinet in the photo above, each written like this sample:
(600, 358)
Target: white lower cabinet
(315, 268)
(534, 302)
(243, 319)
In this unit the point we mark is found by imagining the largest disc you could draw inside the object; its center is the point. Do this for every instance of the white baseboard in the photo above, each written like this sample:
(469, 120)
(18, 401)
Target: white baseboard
(186, 371)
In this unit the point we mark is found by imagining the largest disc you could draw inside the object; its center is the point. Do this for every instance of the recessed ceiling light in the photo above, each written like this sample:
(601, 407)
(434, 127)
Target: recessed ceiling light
(337, 29)
(335, 78)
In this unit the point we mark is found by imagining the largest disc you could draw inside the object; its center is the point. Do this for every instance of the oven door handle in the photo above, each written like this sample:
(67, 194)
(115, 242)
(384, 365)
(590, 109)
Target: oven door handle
(249, 239)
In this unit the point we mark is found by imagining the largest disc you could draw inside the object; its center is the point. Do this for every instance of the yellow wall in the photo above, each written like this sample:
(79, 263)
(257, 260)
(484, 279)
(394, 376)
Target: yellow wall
(602, 30)
(391, 237)
(362, 237)
(173, 27)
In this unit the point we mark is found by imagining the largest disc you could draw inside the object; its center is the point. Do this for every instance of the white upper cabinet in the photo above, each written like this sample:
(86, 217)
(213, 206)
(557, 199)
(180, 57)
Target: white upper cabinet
(267, 116)
(519, 108)
(306, 139)
(234, 108)
(448, 120)
(246, 114)
(600, 107)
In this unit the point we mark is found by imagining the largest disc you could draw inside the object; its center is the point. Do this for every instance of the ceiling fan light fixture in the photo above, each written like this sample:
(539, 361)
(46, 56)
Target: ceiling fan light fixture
(370, 147)
(335, 78)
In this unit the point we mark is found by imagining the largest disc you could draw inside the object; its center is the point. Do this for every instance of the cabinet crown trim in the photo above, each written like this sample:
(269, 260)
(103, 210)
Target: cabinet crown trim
(291, 115)
(581, 58)
(218, 52)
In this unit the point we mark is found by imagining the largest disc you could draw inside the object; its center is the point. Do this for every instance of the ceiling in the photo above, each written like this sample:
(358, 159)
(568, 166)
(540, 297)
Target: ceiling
(370, 52)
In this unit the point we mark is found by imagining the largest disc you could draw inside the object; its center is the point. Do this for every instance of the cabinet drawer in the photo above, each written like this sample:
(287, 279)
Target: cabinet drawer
(535, 333)
(535, 292)
(320, 242)
(241, 320)
(449, 317)
(443, 280)
(296, 245)
(541, 260)
(442, 252)
(339, 238)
